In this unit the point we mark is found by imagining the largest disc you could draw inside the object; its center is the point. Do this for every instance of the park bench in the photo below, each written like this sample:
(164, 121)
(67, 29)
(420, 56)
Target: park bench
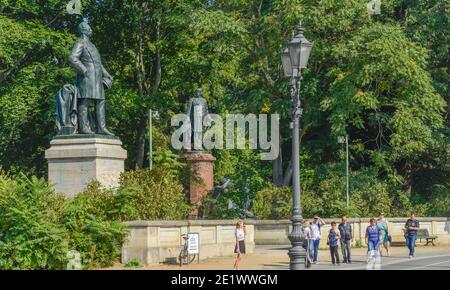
(425, 234)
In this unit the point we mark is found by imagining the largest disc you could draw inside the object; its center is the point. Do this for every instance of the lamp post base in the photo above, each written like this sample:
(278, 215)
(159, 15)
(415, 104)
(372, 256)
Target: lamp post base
(297, 256)
(297, 253)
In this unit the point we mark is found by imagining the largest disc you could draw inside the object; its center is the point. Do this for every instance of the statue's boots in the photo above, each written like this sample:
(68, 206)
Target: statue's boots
(83, 119)
(101, 118)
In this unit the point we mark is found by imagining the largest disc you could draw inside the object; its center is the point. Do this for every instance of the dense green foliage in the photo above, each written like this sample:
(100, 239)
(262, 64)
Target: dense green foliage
(38, 227)
(273, 203)
(31, 235)
(381, 79)
(326, 195)
(154, 195)
(94, 228)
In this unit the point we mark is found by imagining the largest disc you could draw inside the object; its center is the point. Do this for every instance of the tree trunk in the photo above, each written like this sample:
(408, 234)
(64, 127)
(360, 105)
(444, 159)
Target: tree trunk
(141, 141)
(140, 76)
(448, 84)
(407, 184)
(277, 170)
(288, 175)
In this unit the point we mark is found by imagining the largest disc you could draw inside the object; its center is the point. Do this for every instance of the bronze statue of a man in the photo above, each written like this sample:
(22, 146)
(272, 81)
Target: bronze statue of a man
(197, 111)
(91, 79)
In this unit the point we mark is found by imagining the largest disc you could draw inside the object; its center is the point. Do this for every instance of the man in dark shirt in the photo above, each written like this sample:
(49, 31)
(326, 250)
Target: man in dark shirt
(345, 230)
(411, 228)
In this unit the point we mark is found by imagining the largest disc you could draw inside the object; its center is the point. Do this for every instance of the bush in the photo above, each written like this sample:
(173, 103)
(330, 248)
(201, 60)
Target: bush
(39, 228)
(156, 195)
(93, 218)
(359, 244)
(273, 203)
(213, 209)
(133, 263)
(326, 193)
(440, 200)
(93, 225)
(31, 236)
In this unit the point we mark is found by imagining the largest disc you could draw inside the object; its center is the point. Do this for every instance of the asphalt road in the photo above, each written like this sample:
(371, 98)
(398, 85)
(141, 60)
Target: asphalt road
(275, 258)
(427, 258)
(439, 262)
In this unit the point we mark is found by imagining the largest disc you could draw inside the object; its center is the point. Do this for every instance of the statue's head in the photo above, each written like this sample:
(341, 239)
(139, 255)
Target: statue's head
(84, 29)
(199, 93)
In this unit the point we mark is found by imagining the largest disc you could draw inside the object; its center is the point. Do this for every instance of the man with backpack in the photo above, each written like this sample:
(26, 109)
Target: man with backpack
(346, 234)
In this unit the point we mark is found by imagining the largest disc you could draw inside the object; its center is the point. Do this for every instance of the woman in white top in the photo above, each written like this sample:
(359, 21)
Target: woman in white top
(307, 242)
(239, 249)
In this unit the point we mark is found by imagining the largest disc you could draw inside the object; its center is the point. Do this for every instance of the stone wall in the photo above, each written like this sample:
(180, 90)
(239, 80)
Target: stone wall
(271, 232)
(158, 241)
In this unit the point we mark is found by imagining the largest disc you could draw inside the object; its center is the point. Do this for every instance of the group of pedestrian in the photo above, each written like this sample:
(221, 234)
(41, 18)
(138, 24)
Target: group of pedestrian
(341, 234)
(377, 238)
(311, 243)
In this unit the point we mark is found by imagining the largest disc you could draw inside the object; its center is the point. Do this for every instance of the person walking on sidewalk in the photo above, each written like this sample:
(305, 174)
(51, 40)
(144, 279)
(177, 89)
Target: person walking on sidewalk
(333, 240)
(239, 249)
(411, 227)
(345, 229)
(315, 235)
(307, 242)
(385, 239)
(373, 234)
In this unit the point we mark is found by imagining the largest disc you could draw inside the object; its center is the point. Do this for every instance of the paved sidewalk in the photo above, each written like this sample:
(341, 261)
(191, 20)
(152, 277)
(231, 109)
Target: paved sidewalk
(275, 258)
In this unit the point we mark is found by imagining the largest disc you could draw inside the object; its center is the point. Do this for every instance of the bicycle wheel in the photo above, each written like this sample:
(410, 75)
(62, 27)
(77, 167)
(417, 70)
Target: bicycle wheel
(182, 257)
(191, 258)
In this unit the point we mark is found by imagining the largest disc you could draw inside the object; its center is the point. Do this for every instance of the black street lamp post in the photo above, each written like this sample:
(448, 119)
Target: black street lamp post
(294, 59)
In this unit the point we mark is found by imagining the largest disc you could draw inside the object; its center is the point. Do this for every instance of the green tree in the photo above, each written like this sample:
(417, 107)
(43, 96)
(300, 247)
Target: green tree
(32, 68)
(382, 79)
(161, 51)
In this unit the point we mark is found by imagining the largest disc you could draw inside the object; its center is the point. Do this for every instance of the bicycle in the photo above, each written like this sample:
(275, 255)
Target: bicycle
(185, 258)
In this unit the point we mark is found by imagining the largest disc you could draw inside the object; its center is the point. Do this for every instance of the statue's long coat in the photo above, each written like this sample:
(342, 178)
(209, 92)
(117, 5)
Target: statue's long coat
(91, 74)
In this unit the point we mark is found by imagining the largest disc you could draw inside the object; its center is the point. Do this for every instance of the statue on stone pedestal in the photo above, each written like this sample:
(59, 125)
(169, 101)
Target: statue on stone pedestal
(197, 111)
(72, 115)
(77, 156)
(200, 163)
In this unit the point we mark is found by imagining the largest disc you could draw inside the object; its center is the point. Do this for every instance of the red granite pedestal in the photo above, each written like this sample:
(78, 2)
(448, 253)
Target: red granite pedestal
(201, 180)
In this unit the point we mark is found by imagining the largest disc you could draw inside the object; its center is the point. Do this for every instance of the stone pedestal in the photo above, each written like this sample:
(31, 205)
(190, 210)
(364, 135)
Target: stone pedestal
(201, 179)
(76, 160)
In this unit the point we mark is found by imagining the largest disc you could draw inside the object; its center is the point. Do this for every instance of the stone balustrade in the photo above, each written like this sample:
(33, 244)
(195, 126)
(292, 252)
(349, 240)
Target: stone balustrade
(274, 232)
(159, 241)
